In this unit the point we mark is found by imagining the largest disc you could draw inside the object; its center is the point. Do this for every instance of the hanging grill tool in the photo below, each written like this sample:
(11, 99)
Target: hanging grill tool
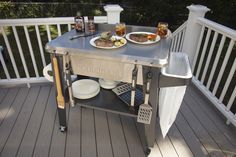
(145, 110)
(134, 82)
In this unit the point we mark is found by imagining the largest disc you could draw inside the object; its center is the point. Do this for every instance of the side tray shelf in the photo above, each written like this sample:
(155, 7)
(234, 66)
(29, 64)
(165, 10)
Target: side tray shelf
(177, 73)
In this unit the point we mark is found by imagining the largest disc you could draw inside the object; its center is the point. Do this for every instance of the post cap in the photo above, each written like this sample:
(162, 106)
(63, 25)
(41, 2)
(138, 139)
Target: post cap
(198, 8)
(113, 7)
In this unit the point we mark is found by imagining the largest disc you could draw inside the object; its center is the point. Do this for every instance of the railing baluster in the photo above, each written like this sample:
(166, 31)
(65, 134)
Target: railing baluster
(59, 29)
(229, 50)
(229, 78)
(182, 39)
(203, 52)
(20, 51)
(198, 48)
(40, 45)
(231, 100)
(4, 65)
(31, 51)
(69, 27)
(178, 41)
(10, 52)
(216, 61)
(209, 56)
(48, 33)
(174, 46)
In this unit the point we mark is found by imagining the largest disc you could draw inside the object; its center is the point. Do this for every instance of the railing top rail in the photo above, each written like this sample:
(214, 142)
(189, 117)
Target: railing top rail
(45, 21)
(231, 33)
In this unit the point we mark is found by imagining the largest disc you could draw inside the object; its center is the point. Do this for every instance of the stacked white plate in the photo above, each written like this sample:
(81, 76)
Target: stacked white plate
(85, 88)
(107, 84)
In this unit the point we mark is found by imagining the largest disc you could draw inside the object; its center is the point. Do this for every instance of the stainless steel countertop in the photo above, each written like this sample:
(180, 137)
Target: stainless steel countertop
(156, 54)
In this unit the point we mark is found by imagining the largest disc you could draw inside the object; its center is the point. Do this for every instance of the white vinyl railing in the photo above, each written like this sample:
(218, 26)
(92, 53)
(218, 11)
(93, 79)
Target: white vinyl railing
(178, 38)
(214, 66)
(12, 26)
(5, 25)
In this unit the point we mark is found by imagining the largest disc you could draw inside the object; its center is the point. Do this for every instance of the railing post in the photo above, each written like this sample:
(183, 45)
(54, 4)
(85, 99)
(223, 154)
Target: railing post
(113, 13)
(193, 30)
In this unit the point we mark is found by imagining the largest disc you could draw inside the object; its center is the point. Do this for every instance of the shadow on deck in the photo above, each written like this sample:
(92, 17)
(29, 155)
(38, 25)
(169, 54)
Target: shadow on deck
(29, 127)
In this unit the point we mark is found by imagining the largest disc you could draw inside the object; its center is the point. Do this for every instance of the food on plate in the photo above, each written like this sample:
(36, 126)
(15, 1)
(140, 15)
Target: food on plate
(139, 37)
(103, 42)
(107, 40)
(106, 35)
(152, 37)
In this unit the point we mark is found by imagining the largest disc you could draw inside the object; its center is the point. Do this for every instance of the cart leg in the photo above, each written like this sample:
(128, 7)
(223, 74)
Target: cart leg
(57, 64)
(150, 129)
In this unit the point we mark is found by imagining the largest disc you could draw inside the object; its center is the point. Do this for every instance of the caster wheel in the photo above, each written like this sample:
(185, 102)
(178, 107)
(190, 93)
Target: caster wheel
(62, 128)
(147, 151)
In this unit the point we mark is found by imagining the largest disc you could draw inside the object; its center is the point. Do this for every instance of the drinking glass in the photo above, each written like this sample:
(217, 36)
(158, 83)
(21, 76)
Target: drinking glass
(120, 29)
(91, 25)
(162, 29)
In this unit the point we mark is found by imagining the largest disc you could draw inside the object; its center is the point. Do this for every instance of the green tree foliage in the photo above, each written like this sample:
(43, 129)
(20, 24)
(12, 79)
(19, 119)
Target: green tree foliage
(140, 12)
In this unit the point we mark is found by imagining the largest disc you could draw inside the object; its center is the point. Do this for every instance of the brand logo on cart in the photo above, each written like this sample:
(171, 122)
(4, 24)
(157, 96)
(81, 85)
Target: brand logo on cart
(99, 68)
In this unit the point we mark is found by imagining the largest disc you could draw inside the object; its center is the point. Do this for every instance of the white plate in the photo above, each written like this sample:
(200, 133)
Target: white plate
(113, 47)
(107, 84)
(85, 88)
(158, 38)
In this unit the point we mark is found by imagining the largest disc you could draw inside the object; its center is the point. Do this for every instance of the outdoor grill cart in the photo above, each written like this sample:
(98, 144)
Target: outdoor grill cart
(132, 63)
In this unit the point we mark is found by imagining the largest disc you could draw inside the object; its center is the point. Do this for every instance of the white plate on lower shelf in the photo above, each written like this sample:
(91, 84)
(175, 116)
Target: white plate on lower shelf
(107, 84)
(85, 88)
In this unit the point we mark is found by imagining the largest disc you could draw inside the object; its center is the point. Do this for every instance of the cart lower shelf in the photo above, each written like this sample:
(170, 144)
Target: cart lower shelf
(107, 101)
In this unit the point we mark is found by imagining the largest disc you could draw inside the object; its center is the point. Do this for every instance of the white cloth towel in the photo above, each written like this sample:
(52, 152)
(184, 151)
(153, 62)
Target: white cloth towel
(169, 104)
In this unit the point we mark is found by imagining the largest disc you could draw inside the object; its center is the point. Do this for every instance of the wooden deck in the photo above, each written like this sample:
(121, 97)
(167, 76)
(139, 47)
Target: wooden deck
(29, 127)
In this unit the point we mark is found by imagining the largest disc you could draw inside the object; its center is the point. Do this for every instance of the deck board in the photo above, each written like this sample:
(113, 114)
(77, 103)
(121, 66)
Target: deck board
(166, 147)
(73, 140)
(200, 131)
(132, 137)
(119, 145)
(179, 143)
(29, 127)
(215, 133)
(104, 147)
(213, 114)
(31, 132)
(8, 123)
(88, 134)
(42, 145)
(7, 102)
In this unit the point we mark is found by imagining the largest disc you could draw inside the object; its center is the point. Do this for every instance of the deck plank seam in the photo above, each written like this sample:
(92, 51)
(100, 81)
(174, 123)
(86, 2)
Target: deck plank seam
(109, 131)
(185, 103)
(232, 144)
(69, 108)
(159, 147)
(5, 93)
(135, 124)
(55, 117)
(191, 94)
(173, 145)
(184, 139)
(14, 122)
(124, 135)
(94, 125)
(25, 128)
(41, 120)
(28, 122)
(195, 134)
(200, 144)
(1, 121)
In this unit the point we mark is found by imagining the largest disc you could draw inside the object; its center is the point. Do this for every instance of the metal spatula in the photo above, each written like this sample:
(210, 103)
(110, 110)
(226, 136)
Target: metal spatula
(145, 110)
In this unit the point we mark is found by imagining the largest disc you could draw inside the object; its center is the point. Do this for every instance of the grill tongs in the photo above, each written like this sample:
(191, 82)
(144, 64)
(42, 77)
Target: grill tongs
(134, 82)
